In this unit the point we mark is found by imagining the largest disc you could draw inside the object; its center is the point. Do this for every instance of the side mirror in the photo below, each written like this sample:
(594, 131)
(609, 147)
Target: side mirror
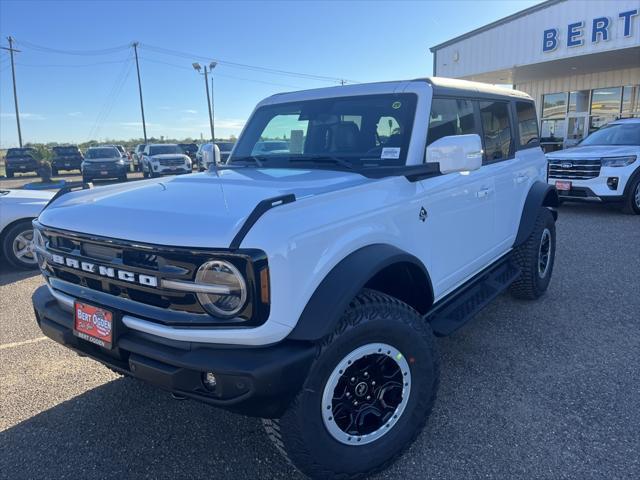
(456, 153)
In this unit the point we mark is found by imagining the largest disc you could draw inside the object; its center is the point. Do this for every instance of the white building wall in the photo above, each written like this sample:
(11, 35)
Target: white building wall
(519, 42)
(588, 81)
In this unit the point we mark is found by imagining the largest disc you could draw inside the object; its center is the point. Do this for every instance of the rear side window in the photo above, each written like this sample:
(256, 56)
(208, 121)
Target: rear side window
(497, 130)
(527, 124)
(450, 117)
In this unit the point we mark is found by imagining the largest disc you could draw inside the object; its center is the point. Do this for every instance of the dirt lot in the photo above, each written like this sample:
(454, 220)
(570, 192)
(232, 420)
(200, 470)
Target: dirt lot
(544, 390)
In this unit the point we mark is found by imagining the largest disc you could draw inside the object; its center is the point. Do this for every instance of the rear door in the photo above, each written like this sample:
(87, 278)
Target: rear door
(460, 205)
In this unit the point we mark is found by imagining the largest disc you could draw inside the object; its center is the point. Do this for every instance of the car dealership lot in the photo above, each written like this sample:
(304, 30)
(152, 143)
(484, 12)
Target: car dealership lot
(546, 389)
(20, 180)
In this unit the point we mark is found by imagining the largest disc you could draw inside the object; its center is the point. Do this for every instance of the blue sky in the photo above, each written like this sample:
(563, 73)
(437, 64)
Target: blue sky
(93, 95)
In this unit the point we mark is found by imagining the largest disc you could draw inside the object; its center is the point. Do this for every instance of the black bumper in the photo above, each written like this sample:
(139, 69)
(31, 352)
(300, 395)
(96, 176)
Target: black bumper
(585, 194)
(67, 164)
(111, 171)
(30, 166)
(255, 381)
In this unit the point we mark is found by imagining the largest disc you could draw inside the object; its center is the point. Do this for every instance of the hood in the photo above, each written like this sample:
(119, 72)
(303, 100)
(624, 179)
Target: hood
(593, 152)
(168, 156)
(103, 160)
(196, 210)
(27, 196)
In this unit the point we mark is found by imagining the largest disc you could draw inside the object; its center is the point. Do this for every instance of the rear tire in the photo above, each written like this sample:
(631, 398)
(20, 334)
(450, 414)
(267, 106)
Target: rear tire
(535, 257)
(9, 174)
(632, 201)
(54, 171)
(381, 338)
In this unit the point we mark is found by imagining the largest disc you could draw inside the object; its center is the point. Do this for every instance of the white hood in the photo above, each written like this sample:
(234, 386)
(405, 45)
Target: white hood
(197, 210)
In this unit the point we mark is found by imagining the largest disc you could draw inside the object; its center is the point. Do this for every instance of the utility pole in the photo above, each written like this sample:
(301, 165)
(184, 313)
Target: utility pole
(15, 92)
(144, 125)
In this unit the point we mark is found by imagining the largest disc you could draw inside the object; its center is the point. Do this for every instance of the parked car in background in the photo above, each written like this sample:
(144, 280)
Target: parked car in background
(190, 150)
(102, 163)
(17, 209)
(21, 160)
(604, 167)
(137, 157)
(164, 159)
(199, 153)
(270, 147)
(225, 150)
(66, 157)
(209, 153)
(123, 152)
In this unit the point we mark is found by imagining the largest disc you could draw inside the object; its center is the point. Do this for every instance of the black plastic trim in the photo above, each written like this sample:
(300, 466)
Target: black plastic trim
(540, 195)
(68, 188)
(342, 284)
(254, 216)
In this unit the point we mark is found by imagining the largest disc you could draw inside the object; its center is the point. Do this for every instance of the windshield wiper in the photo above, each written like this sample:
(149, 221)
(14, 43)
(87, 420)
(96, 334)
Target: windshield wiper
(323, 159)
(250, 158)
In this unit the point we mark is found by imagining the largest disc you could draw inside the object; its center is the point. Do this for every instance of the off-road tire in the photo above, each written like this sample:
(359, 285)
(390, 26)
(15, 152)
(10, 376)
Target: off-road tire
(8, 238)
(629, 206)
(531, 285)
(300, 434)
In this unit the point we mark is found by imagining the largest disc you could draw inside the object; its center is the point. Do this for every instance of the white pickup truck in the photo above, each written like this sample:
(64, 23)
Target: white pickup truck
(308, 287)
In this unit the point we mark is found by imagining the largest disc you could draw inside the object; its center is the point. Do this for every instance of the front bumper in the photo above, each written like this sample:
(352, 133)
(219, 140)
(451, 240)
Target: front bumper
(170, 169)
(255, 381)
(601, 188)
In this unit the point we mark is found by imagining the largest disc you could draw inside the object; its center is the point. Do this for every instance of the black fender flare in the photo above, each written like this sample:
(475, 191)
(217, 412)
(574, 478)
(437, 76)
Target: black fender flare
(332, 297)
(540, 195)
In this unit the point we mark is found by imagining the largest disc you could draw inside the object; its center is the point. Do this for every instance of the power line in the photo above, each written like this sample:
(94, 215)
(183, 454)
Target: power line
(89, 53)
(11, 50)
(72, 65)
(274, 71)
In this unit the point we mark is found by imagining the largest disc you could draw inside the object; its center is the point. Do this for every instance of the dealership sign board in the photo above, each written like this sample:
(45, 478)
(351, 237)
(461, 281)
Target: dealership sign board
(600, 29)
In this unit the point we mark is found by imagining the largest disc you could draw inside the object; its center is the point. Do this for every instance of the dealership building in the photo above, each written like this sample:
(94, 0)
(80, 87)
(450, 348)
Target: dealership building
(579, 60)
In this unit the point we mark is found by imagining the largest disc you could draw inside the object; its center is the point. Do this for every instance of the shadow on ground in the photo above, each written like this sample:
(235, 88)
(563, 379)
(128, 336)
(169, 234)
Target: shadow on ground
(126, 429)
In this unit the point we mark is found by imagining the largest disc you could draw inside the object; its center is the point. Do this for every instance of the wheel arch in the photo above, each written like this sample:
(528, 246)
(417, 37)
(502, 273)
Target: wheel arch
(10, 225)
(381, 267)
(540, 194)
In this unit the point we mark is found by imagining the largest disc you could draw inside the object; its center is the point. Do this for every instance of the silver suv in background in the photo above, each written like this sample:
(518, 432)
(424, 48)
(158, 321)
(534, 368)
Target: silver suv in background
(164, 159)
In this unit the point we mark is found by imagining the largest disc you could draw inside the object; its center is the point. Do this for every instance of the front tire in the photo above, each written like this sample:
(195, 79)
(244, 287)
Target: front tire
(17, 246)
(536, 257)
(632, 200)
(368, 393)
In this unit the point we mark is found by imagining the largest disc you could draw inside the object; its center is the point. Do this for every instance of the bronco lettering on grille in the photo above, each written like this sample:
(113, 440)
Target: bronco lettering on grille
(103, 270)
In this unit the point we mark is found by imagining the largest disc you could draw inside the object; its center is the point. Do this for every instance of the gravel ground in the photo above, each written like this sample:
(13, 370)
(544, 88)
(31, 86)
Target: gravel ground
(545, 390)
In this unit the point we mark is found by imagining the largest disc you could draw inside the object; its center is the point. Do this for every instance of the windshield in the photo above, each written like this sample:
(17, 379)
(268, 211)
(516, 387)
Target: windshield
(66, 150)
(225, 146)
(19, 152)
(351, 131)
(106, 152)
(615, 134)
(188, 147)
(163, 149)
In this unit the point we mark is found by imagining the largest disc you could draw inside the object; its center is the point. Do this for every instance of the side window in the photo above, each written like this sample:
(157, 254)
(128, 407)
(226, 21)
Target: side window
(450, 117)
(527, 124)
(497, 130)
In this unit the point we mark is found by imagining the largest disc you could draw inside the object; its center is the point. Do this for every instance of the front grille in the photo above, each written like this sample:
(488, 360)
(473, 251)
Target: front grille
(172, 307)
(171, 162)
(574, 169)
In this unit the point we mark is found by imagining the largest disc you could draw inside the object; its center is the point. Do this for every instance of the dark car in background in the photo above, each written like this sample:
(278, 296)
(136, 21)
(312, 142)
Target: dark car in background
(225, 150)
(66, 157)
(21, 160)
(137, 157)
(104, 162)
(190, 150)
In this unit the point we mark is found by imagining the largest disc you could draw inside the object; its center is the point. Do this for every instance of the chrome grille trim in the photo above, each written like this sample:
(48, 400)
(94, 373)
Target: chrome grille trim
(583, 169)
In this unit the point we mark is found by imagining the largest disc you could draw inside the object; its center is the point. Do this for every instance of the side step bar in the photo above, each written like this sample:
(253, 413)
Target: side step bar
(463, 304)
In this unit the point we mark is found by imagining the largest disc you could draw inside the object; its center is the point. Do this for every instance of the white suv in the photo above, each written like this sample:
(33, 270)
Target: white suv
(604, 167)
(308, 289)
(164, 159)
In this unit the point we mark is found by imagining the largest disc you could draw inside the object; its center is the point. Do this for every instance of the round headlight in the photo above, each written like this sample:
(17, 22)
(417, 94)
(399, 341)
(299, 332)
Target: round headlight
(228, 292)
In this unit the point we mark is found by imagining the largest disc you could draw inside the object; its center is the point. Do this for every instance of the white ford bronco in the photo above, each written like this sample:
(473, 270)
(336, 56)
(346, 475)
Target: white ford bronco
(308, 289)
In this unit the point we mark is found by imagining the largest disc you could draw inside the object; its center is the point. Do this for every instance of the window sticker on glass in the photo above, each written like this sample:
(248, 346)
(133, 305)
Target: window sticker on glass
(396, 105)
(392, 153)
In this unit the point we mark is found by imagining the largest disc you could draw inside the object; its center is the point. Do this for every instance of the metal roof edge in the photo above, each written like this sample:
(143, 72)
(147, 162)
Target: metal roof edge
(521, 13)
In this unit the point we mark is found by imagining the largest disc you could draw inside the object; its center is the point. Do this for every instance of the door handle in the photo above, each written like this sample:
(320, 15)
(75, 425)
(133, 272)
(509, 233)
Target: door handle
(483, 192)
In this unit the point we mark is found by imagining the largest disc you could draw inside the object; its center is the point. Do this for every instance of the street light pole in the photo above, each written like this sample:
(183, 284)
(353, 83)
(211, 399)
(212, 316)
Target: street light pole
(197, 67)
(15, 92)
